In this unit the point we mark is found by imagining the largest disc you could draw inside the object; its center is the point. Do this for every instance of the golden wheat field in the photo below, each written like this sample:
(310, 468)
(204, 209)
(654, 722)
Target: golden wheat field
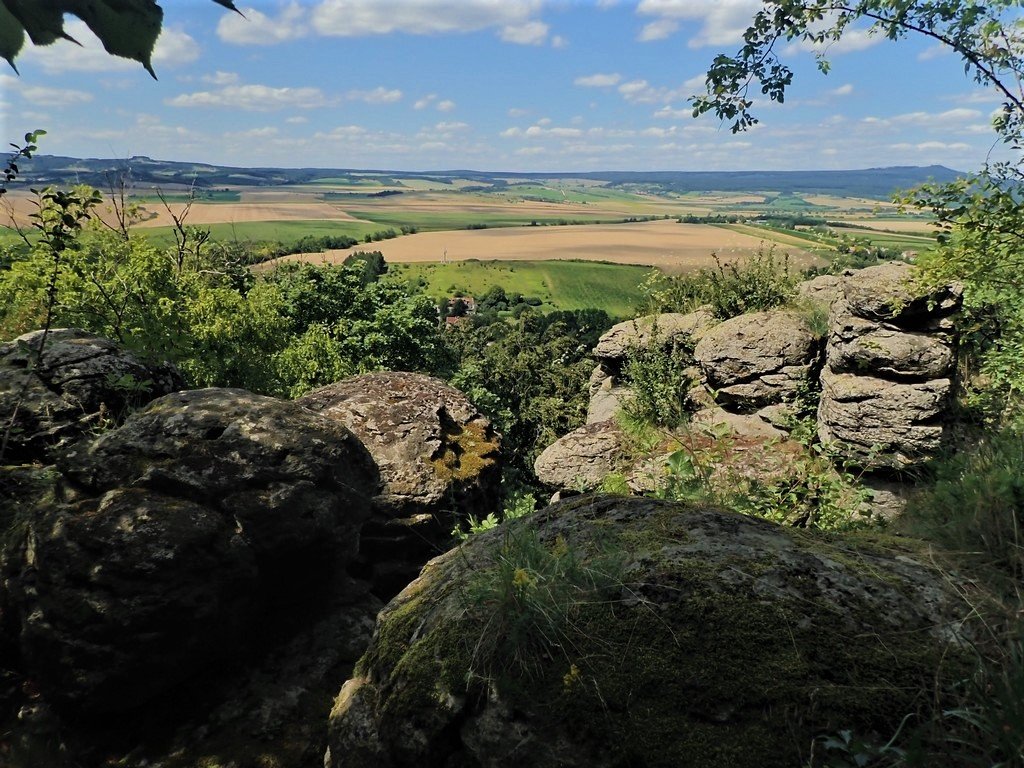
(667, 245)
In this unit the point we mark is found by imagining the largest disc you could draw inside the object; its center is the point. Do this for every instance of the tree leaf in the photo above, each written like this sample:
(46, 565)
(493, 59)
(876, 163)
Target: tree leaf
(12, 36)
(127, 28)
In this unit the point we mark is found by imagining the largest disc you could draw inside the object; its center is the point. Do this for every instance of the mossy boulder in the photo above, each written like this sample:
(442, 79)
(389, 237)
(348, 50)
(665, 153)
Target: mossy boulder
(176, 541)
(637, 632)
(80, 384)
(439, 460)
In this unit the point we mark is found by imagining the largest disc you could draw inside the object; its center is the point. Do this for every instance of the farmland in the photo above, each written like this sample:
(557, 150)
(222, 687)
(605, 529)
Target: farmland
(535, 233)
(567, 285)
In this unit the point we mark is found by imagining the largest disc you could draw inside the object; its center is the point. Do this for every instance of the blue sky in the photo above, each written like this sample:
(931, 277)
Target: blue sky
(521, 85)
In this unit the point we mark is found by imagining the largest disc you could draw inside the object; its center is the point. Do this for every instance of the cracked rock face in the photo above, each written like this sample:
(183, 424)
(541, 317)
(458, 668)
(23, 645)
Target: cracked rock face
(439, 462)
(685, 653)
(668, 328)
(84, 382)
(582, 459)
(890, 361)
(759, 359)
(174, 540)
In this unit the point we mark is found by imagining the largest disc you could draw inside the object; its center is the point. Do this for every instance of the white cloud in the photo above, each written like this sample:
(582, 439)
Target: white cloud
(358, 18)
(297, 120)
(722, 21)
(446, 105)
(842, 90)
(518, 112)
(256, 28)
(257, 98)
(559, 42)
(39, 96)
(931, 146)
(342, 133)
(934, 52)
(598, 80)
(642, 92)
(446, 127)
(530, 33)
(658, 30)
(379, 95)
(253, 133)
(174, 47)
(852, 40)
(425, 101)
(221, 78)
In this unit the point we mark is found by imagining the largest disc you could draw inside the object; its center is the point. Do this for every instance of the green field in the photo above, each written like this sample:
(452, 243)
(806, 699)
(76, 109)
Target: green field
(286, 232)
(436, 221)
(614, 288)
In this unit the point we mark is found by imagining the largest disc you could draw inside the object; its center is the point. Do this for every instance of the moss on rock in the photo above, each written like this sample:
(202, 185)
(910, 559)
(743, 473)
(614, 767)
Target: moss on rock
(722, 641)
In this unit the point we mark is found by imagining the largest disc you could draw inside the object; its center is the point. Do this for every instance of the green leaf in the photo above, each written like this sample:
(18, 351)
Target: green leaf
(127, 28)
(12, 36)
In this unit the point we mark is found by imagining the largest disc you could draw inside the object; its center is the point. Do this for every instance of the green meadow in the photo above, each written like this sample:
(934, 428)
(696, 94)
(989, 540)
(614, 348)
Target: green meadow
(567, 285)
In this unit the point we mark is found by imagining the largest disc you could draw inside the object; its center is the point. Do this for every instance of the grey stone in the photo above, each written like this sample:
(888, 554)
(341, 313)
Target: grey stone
(582, 459)
(439, 460)
(755, 360)
(83, 383)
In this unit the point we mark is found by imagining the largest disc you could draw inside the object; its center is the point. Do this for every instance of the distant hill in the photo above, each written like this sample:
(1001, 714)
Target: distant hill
(144, 172)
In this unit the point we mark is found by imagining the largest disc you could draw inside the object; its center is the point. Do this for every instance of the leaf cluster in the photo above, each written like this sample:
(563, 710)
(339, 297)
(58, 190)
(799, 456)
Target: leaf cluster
(127, 28)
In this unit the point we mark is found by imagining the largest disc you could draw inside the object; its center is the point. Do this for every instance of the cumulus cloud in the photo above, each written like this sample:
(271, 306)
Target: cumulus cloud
(842, 90)
(425, 102)
(658, 30)
(174, 47)
(358, 18)
(256, 98)
(379, 95)
(259, 29)
(530, 33)
(722, 22)
(221, 78)
(40, 96)
(445, 105)
(598, 80)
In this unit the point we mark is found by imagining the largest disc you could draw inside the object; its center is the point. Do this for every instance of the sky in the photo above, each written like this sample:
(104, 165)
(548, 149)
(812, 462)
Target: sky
(491, 85)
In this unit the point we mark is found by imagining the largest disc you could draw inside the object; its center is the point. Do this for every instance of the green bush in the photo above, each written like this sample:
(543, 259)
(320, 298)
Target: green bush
(658, 374)
(763, 281)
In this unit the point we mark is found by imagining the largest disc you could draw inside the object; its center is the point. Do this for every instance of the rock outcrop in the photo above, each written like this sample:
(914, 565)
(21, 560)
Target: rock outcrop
(759, 359)
(582, 459)
(890, 362)
(709, 639)
(671, 331)
(83, 383)
(439, 462)
(179, 540)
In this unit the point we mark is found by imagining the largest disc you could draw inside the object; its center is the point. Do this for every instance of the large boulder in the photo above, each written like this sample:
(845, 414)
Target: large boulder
(667, 329)
(759, 359)
(881, 424)
(611, 632)
(582, 459)
(178, 540)
(890, 362)
(83, 383)
(893, 293)
(439, 461)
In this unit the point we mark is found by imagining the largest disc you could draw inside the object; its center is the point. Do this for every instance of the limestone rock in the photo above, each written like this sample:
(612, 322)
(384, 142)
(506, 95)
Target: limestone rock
(607, 397)
(171, 542)
(881, 424)
(888, 293)
(683, 650)
(83, 383)
(582, 459)
(439, 460)
(758, 359)
(823, 289)
(857, 345)
(670, 327)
